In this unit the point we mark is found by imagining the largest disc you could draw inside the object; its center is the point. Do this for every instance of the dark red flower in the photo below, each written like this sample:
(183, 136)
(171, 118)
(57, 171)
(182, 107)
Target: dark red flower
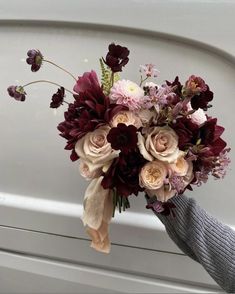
(187, 131)
(176, 85)
(17, 92)
(194, 86)
(202, 100)
(57, 98)
(123, 174)
(117, 57)
(123, 137)
(90, 110)
(35, 59)
(210, 134)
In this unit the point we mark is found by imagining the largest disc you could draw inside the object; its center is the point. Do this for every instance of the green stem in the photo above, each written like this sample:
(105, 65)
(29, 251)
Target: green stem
(60, 67)
(46, 81)
(142, 80)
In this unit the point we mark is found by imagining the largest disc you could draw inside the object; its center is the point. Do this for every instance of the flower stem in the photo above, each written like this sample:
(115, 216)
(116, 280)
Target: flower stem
(46, 81)
(69, 73)
(142, 80)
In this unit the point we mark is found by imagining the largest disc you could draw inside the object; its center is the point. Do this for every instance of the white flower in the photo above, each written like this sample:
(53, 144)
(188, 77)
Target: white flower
(198, 117)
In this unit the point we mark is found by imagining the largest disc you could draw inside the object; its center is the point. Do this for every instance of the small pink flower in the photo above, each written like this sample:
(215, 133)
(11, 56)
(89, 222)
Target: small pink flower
(127, 93)
(149, 70)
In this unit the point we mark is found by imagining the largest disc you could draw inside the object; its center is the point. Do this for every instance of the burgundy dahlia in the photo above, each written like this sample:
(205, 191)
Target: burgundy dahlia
(35, 59)
(187, 131)
(90, 110)
(117, 57)
(123, 137)
(123, 174)
(17, 92)
(57, 98)
(210, 134)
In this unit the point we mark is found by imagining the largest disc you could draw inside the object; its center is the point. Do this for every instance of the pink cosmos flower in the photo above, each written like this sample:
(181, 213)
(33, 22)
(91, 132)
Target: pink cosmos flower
(127, 93)
(149, 70)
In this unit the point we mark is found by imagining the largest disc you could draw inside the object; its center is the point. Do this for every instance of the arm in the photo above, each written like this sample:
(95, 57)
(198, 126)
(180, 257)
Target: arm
(204, 239)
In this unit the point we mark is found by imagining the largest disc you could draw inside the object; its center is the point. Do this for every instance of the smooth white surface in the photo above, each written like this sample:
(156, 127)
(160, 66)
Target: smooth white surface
(129, 259)
(33, 271)
(181, 37)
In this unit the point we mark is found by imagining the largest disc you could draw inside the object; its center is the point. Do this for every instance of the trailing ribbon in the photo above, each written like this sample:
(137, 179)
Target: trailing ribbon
(98, 210)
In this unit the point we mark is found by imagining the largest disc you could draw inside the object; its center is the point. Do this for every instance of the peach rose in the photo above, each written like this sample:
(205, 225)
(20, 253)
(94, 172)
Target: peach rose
(94, 148)
(127, 118)
(189, 175)
(152, 175)
(165, 193)
(181, 166)
(162, 143)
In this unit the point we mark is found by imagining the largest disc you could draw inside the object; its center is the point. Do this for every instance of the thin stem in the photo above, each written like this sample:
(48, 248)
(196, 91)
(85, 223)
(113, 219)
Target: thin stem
(69, 73)
(142, 80)
(46, 81)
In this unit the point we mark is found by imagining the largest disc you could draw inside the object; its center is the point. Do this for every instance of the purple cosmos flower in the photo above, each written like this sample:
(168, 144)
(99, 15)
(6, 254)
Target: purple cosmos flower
(57, 98)
(35, 59)
(17, 92)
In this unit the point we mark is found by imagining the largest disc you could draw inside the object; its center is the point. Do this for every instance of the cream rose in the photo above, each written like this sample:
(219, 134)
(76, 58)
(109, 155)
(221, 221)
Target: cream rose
(127, 118)
(181, 166)
(95, 149)
(145, 116)
(162, 143)
(152, 175)
(86, 173)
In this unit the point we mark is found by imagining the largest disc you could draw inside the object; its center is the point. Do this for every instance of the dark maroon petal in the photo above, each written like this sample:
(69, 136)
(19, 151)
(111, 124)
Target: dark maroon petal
(117, 57)
(57, 98)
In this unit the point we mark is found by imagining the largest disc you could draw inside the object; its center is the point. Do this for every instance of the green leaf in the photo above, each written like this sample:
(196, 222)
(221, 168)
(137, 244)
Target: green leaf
(106, 77)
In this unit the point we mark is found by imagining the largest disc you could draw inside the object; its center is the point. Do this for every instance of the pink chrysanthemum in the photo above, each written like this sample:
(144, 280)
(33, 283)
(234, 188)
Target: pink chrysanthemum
(127, 93)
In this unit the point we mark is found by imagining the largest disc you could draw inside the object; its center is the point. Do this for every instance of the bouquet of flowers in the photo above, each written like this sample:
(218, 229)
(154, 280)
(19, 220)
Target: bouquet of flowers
(132, 138)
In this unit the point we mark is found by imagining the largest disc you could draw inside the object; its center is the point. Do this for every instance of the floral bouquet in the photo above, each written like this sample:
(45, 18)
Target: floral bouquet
(132, 138)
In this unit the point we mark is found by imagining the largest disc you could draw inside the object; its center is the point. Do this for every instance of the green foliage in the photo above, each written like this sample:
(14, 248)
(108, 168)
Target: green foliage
(119, 201)
(106, 77)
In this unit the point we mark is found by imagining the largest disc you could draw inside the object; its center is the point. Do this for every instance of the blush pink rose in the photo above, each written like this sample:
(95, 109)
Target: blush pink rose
(94, 148)
(160, 143)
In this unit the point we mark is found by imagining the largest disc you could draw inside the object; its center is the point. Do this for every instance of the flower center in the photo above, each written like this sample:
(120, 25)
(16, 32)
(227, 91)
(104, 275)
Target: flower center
(153, 175)
(99, 140)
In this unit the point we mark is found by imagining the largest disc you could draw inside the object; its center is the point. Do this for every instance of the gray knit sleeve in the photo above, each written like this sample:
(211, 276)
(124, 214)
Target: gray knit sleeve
(204, 239)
